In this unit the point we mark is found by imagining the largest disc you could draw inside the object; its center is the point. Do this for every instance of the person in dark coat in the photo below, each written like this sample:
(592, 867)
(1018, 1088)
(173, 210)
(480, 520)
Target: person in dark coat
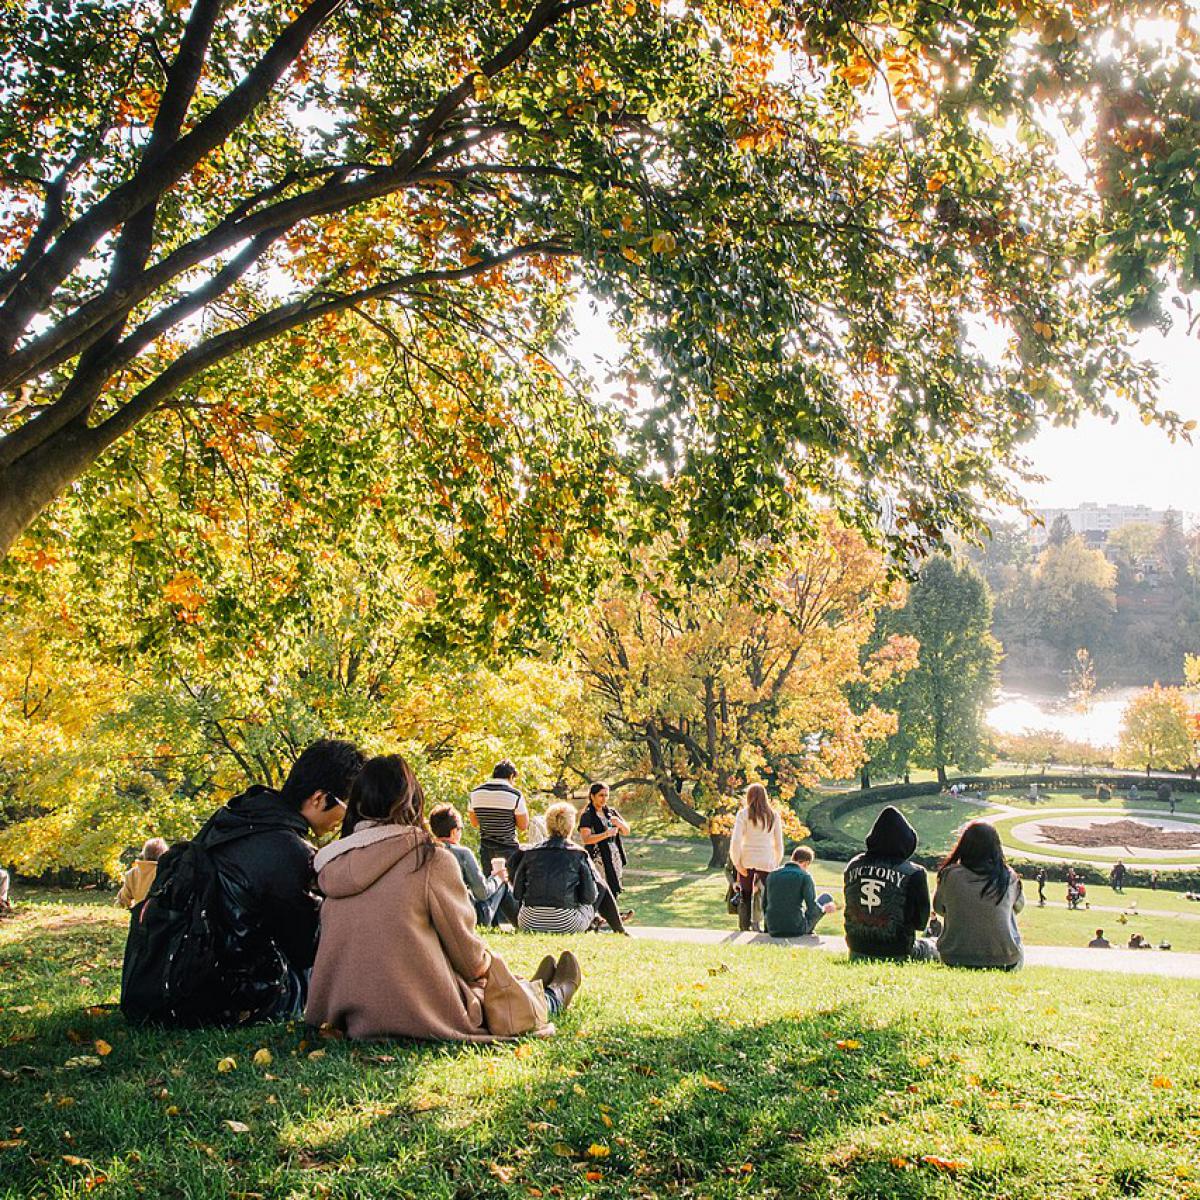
(556, 885)
(887, 895)
(791, 906)
(269, 906)
(601, 828)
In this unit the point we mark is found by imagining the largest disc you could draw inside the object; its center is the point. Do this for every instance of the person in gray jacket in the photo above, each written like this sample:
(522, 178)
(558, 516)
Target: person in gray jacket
(492, 897)
(978, 897)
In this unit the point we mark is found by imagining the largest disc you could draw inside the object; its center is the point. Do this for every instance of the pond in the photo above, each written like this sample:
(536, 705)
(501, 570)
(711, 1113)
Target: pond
(1024, 712)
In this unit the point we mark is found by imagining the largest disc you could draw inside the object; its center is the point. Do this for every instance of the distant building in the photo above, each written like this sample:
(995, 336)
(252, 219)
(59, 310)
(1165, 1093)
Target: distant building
(1094, 522)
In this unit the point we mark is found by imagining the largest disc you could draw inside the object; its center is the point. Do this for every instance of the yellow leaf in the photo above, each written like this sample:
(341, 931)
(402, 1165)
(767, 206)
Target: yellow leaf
(172, 1110)
(562, 1150)
(663, 243)
(858, 72)
(631, 254)
(596, 1150)
(1161, 1081)
(713, 1085)
(849, 1044)
(102, 1048)
(936, 181)
(226, 1065)
(238, 1126)
(262, 1058)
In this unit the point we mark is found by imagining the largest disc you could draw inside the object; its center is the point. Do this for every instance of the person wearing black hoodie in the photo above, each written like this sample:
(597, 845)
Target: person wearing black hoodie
(887, 895)
(258, 845)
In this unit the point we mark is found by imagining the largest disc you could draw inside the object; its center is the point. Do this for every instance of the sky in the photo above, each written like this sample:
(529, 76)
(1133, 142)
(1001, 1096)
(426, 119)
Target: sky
(1129, 463)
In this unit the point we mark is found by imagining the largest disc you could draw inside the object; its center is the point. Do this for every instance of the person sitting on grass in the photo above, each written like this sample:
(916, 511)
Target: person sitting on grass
(1138, 942)
(556, 884)
(978, 896)
(140, 876)
(492, 896)
(887, 895)
(398, 955)
(791, 906)
(1099, 942)
(5, 906)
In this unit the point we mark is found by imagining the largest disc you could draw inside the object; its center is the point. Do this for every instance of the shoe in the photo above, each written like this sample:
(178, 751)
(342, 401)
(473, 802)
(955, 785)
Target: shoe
(545, 970)
(626, 915)
(567, 977)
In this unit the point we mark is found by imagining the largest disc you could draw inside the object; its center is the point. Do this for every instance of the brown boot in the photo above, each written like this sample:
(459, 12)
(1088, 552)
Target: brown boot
(567, 977)
(545, 970)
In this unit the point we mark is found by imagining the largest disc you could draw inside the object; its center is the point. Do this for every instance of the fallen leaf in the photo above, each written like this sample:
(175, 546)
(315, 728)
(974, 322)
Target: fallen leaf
(593, 1176)
(83, 1062)
(713, 1085)
(849, 1044)
(237, 1126)
(562, 1150)
(73, 1160)
(225, 1065)
(316, 1054)
(11, 1143)
(102, 1048)
(950, 1165)
(596, 1150)
(504, 1174)
(1161, 1081)
(262, 1058)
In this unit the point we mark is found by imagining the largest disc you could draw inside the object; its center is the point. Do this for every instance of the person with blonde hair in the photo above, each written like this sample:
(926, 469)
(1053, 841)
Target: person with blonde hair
(755, 847)
(140, 876)
(557, 886)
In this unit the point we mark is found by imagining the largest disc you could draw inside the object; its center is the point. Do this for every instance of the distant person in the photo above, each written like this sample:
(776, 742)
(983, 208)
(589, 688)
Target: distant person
(140, 876)
(887, 895)
(490, 894)
(791, 906)
(556, 884)
(1041, 886)
(499, 812)
(1100, 942)
(1116, 877)
(1154, 881)
(1138, 942)
(399, 956)
(1133, 791)
(601, 828)
(978, 897)
(246, 880)
(5, 905)
(755, 847)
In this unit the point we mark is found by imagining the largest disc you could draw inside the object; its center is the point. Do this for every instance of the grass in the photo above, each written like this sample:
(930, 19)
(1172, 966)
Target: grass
(668, 885)
(937, 819)
(681, 1071)
(1185, 802)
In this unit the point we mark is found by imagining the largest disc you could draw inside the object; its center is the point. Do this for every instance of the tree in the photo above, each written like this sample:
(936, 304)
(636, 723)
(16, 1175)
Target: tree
(1156, 731)
(1061, 531)
(705, 693)
(184, 185)
(1072, 596)
(943, 702)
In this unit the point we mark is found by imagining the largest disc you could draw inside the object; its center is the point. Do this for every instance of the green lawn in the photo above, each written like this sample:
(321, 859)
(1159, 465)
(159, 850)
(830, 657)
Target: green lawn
(681, 892)
(937, 819)
(1185, 802)
(680, 1071)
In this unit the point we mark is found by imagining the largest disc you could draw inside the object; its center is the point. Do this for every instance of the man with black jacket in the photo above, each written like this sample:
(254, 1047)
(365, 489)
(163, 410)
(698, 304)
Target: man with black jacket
(266, 926)
(887, 896)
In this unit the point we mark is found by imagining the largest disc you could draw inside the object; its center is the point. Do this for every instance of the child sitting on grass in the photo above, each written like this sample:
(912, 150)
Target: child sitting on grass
(140, 876)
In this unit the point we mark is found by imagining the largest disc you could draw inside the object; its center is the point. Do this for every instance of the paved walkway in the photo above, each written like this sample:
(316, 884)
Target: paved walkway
(1117, 961)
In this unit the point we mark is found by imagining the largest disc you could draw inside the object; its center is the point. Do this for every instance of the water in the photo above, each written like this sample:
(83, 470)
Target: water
(1099, 724)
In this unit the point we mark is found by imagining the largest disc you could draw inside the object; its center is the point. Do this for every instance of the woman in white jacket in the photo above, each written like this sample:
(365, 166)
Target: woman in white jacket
(755, 847)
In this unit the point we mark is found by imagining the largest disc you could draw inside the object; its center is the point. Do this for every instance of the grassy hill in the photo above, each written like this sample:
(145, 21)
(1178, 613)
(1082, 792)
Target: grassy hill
(681, 1071)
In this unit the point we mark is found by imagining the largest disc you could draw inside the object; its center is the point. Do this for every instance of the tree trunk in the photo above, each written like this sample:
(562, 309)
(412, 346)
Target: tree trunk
(941, 774)
(720, 851)
(864, 779)
(907, 776)
(31, 483)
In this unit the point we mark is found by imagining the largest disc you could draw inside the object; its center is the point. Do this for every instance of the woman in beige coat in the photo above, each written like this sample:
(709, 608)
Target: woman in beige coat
(398, 955)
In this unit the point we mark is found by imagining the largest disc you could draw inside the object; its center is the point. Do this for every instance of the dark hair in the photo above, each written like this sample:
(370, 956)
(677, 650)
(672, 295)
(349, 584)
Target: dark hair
(596, 789)
(325, 766)
(804, 854)
(444, 820)
(1099, 932)
(979, 850)
(504, 769)
(387, 791)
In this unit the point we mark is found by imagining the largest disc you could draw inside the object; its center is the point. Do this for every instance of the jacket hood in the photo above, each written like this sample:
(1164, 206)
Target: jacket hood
(253, 811)
(352, 864)
(891, 836)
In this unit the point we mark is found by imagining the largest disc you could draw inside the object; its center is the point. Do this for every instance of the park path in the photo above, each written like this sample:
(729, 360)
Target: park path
(1116, 961)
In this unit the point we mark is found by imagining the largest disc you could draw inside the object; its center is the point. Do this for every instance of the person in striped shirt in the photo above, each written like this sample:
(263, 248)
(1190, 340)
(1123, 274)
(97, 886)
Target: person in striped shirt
(499, 812)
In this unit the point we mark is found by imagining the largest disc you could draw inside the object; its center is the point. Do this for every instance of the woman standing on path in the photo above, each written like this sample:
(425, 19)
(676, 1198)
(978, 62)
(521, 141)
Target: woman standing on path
(978, 896)
(755, 847)
(600, 829)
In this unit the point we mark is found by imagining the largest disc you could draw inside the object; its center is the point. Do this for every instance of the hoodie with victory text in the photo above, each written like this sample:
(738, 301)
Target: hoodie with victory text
(887, 896)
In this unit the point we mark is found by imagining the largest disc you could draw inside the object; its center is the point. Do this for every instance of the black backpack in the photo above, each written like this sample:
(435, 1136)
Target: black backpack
(172, 971)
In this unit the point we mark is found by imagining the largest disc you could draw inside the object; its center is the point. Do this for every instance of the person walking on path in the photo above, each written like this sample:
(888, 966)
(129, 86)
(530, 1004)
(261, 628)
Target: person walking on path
(601, 828)
(1116, 877)
(492, 896)
(887, 895)
(978, 897)
(498, 811)
(791, 906)
(755, 847)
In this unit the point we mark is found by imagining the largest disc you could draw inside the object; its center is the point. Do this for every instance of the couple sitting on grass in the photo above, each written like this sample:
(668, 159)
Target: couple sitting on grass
(978, 896)
(234, 928)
